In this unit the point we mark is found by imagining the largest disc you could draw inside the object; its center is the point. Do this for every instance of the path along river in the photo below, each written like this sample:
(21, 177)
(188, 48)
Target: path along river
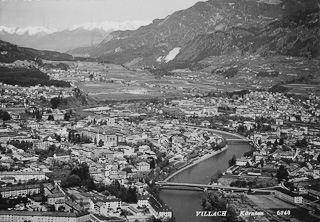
(186, 203)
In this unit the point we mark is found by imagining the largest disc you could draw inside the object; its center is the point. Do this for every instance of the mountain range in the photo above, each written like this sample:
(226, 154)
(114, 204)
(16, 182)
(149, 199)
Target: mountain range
(216, 27)
(43, 38)
(186, 37)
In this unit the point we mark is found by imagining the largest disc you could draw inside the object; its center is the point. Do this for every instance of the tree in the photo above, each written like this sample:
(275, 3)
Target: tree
(101, 143)
(55, 102)
(269, 143)
(281, 141)
(6, 116)
(58, 137)
(127, 170)
(88, 184)
(152, 164)
(61, 208)
(51, 208)
(282, 174)
(304, 142)
(132, 195)
(114, 187)
(241, 129)
(50, 118)
(250, 184)
(289, 185)
(66, 117)
(81, 171)
(248, 154)
(42, 193)
(71, 181)
(38, 114)
(232, 161)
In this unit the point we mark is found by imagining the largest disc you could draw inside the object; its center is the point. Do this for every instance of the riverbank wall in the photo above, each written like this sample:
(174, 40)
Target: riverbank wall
(196, 162)
(206, 156)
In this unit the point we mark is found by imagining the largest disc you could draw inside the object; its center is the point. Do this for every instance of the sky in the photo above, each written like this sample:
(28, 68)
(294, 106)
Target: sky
(62, 14)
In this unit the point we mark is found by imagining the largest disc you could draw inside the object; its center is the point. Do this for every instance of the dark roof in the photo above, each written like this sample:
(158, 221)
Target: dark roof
(143, 198)
(111, 219)
(157, 206)
(113, 200)
(55, 195)
(24, 187)
(288, 192)
(39, 213)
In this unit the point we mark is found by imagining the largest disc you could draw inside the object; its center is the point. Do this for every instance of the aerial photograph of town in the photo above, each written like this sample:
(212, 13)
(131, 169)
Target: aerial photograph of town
(159, 110)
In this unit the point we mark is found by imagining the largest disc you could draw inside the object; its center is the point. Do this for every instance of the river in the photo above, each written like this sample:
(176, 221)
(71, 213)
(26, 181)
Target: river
(186, 203)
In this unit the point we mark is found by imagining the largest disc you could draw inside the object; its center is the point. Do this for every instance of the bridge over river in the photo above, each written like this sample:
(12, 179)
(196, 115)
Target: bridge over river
(205, 187)
(238, 140)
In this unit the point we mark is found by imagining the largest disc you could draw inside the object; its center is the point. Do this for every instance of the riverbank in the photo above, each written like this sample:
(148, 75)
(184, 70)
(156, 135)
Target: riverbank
(217, 131)
(196, 162)
(207, 155)
(186, 203)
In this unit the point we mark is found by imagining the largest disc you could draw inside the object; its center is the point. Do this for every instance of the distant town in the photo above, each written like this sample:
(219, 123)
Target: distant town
(109, 162)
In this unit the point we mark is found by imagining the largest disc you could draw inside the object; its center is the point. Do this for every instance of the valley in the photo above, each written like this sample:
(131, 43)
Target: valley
(111, 82)
(125, 120)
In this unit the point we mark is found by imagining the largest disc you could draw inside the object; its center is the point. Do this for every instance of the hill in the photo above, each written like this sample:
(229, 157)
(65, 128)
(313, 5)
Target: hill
(208, 28)
(10, 53)
(294, 35)
(28, 77)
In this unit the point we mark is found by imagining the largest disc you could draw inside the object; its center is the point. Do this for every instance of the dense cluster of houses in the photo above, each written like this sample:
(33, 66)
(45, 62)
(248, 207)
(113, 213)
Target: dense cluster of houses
(121, 144)
(16, 96)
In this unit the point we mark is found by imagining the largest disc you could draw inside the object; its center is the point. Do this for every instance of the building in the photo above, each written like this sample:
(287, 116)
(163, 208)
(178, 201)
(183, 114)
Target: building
(165, 212)
(37, 216)
(232, 169)
(24, 176)
(108, 136)
(55, 197)
(113, 203)
(158, 210)
(19, 190)
(102, 218)
(143, 166)
(288, 196)
(242, 161)
(254, 173)
(314, 193)
(279, 122)
(143, 201)
(205, 123)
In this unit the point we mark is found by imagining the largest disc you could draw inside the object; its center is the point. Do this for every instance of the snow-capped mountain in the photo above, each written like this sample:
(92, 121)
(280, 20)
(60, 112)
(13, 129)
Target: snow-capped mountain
(82, 35)
(29, 30)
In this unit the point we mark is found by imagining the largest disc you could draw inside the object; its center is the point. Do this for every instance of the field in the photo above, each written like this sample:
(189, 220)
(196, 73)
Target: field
(128, 84)
(289, 68)
(303, 89)
(112, 91)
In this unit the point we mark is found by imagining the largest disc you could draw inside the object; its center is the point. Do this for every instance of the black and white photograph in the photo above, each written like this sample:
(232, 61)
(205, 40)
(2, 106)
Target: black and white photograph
(159, 110)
